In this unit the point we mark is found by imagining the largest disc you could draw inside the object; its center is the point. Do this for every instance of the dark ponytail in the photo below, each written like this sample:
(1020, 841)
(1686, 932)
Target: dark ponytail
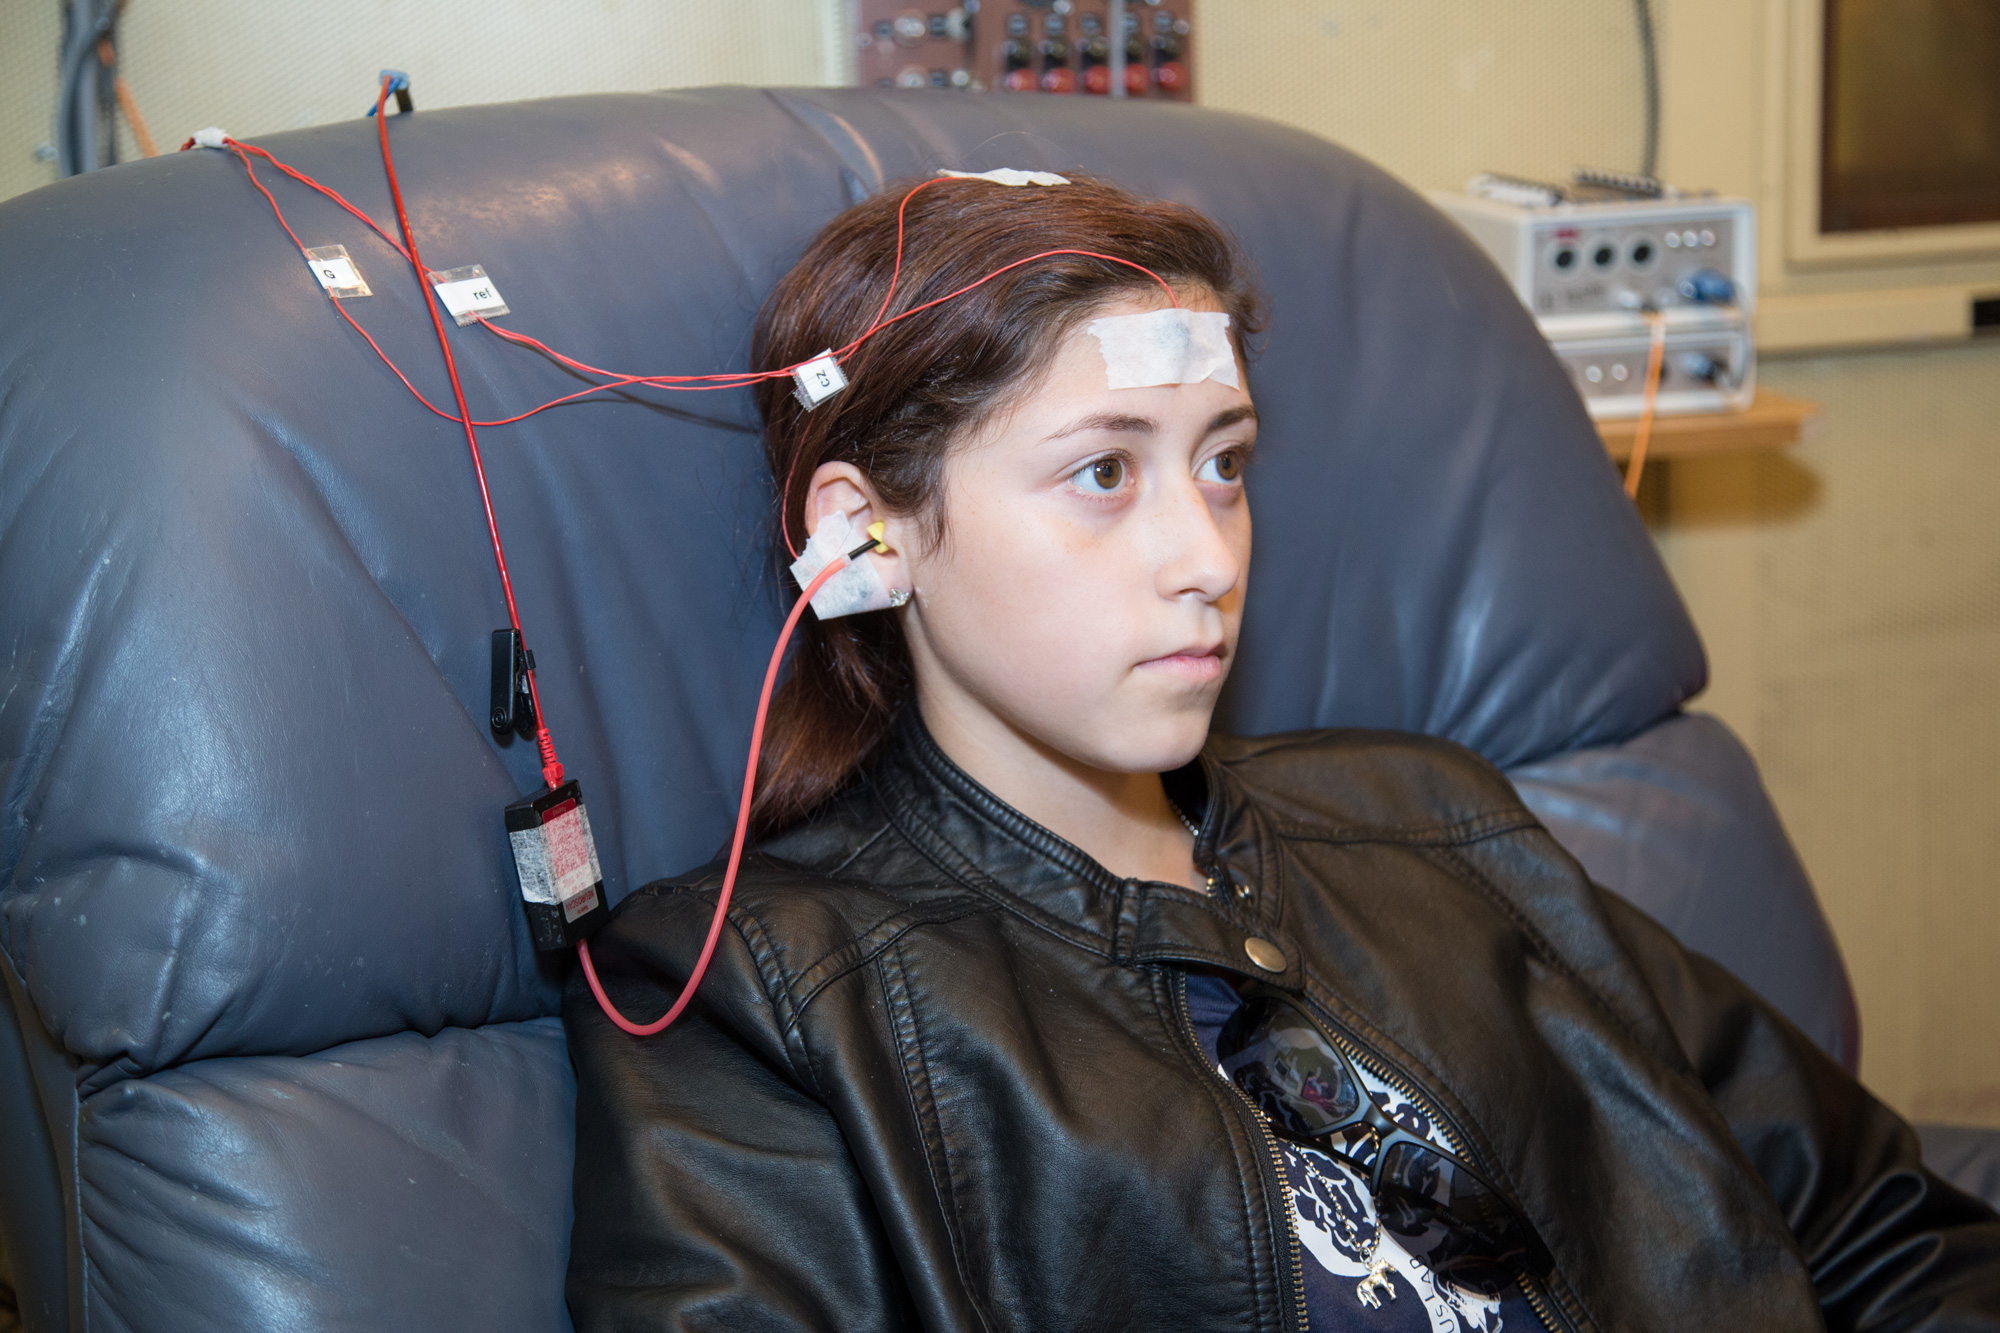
(923, 384)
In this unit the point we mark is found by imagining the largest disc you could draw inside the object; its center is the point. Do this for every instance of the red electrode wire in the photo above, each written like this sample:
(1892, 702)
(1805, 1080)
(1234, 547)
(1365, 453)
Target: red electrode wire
(552, 769)
(735, 844)
(618, 379)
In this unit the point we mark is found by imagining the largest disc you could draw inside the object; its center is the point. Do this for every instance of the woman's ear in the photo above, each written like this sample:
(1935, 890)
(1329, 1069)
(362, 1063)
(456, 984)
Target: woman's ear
(840, 488)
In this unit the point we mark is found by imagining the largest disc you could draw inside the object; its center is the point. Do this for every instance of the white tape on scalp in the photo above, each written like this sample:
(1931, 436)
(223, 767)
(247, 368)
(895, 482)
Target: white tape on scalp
(1171, 346)
(1008, 176)
(854, 589)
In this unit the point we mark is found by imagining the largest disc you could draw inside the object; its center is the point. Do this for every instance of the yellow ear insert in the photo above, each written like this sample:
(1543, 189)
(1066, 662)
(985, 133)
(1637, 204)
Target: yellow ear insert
(875, 530)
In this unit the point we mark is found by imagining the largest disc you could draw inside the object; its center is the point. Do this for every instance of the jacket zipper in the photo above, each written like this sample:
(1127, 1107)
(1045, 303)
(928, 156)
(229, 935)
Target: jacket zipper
(1531, 1290)
(1294, 1264)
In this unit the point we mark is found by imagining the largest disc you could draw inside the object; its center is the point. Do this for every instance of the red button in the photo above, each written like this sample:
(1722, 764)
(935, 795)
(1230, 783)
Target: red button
(1171, 75)
(1097, 79)
(1021, 81)
(1061, 79)
(1135, 81)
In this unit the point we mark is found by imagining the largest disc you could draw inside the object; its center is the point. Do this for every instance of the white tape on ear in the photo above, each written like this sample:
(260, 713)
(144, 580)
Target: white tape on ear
(1171, 346)
(854, 589)
(1008, 176)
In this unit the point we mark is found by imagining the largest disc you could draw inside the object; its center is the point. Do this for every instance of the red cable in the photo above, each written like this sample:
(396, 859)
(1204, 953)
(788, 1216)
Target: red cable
(552, 769)
(735, 843)
(785, 496)
(678, 383)
(326, 190)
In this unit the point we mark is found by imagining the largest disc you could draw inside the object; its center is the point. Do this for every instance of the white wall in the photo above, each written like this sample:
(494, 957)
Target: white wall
(257, 66)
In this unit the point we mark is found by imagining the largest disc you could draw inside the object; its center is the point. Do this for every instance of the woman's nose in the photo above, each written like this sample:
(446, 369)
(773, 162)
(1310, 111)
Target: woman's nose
(1198, 554)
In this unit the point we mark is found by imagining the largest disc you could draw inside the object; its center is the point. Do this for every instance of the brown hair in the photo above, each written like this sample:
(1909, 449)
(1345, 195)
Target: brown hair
(922, 384)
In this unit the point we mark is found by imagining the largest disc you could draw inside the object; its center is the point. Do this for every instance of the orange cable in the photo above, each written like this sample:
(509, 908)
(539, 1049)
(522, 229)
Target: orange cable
(107, 56)
(1656, 355)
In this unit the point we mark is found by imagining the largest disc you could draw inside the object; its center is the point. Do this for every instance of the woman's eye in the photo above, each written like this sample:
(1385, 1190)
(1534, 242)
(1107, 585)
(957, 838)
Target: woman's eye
(1103, 476)
(1226, 467)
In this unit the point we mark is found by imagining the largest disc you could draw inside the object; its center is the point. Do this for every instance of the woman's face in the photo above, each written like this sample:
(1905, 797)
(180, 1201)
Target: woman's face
(1087, 592)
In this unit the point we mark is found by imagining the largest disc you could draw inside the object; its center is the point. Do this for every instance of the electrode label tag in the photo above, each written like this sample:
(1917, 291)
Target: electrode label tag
(468, 294)
(818, 380)
(336, 272)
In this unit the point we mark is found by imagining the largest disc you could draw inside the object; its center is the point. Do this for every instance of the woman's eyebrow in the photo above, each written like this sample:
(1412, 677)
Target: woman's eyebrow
(1124, 423)
(1228, 417)
(1121, 423)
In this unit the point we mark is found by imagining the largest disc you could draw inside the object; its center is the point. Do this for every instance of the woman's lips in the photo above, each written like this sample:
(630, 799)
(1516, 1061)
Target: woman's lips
(1196, 665)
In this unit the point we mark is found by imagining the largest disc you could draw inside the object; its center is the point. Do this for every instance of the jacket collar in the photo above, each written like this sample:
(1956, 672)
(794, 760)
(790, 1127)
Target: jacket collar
(994, 849)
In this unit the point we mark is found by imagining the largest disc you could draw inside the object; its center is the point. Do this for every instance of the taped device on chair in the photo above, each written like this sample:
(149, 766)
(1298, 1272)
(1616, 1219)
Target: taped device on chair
(562, 886)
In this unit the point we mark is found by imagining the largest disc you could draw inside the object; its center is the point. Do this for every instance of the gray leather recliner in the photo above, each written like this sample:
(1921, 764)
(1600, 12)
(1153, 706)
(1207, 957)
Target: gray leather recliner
(276, 1050)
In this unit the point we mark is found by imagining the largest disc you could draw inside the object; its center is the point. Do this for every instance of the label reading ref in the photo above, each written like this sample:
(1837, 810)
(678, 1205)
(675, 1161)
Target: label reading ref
(468, 294)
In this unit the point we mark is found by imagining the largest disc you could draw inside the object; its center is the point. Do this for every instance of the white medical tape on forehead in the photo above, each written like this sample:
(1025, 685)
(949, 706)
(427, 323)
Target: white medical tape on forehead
(1171, 346)
(1008, 176)
(854, 589)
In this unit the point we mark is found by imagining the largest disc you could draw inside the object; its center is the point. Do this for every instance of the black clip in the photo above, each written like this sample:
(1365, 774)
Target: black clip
(399, 84)
(513, 699)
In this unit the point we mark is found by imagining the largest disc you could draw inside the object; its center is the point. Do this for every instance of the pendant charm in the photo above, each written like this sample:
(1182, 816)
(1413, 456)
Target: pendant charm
(1369, 1288)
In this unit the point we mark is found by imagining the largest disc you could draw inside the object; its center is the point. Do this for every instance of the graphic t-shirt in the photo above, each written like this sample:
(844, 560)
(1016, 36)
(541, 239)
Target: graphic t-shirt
(1340, 1241)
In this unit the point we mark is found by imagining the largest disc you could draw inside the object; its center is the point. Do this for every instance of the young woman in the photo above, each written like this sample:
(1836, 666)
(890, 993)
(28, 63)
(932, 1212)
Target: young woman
(1038, 1007)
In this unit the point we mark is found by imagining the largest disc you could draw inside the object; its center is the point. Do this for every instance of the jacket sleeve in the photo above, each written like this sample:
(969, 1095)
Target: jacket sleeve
(1888, 1244)
(712, 1189)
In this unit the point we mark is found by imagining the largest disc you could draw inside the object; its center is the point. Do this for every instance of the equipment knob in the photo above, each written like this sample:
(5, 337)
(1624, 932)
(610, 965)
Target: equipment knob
(1171, 75)
(1706, 285)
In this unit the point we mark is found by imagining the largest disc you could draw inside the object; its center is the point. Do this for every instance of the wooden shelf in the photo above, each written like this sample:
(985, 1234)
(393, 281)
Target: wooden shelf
(1772, 421)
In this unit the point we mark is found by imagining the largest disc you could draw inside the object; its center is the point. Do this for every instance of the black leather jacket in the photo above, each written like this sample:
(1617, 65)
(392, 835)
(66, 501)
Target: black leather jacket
(941, 1074)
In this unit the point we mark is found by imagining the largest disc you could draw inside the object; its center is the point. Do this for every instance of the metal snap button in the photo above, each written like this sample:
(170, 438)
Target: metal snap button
(1265, 954)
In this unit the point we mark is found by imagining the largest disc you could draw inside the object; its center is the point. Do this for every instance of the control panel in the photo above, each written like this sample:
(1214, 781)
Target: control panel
(1596, 273)
(1030, 46)
(1621, 266)
(1594, 265)
(1701, 370)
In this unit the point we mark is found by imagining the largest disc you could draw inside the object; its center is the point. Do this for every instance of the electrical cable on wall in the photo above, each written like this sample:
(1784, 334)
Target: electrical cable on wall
(91, 93)
(85, 131)
(1649, 63)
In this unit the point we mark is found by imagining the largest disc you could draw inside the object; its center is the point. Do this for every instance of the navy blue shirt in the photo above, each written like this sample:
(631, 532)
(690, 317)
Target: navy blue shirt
(1341, 1244)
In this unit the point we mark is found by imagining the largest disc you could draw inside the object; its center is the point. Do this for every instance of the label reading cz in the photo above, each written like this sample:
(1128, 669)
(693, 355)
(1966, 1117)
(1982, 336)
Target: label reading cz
(468, 293)
(336, 272)
(818, 380)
